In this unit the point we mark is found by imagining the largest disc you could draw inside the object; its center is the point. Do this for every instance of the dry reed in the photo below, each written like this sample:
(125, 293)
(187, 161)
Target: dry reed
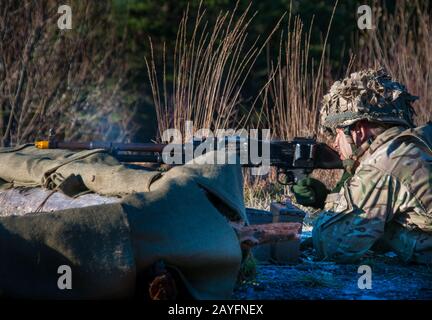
(210, 68)
(401, 42)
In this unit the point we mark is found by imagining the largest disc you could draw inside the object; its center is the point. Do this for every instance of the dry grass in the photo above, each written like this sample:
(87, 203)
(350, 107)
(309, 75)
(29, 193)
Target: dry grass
(259, 192)
(296, 85)
(210, 68)
(402, 43)
(291, 97)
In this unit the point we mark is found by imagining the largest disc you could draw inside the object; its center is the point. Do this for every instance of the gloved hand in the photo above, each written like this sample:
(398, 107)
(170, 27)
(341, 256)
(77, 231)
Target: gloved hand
(310, 192)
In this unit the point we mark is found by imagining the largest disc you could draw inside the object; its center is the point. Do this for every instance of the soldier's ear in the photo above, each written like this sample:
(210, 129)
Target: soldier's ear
(363, 130)
(359, 131)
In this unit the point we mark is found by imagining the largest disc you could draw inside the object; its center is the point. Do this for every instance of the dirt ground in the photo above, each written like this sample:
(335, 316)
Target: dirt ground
(391, 280)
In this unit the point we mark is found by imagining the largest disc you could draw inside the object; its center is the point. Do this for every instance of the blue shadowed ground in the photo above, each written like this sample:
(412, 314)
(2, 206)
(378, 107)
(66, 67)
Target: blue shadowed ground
(391, 279)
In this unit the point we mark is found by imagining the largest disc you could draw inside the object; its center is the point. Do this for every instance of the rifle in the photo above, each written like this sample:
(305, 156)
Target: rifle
(291, 158)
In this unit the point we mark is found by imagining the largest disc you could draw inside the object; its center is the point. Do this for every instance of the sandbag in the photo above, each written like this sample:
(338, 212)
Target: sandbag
(98, 171)
(181, 218)
(186, 214)
(94, 242)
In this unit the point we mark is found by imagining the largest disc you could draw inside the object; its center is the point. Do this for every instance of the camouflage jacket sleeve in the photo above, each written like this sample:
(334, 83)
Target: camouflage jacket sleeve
(356, 216)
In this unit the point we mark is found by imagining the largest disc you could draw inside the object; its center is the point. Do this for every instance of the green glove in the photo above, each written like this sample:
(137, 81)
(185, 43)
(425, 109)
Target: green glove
(310, 192)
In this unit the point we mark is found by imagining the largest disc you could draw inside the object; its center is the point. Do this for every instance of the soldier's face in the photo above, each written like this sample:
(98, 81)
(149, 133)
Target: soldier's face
(341, 145)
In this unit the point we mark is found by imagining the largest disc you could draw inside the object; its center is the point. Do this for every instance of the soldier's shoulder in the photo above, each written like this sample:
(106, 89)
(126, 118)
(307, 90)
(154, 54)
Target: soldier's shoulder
(406, 156)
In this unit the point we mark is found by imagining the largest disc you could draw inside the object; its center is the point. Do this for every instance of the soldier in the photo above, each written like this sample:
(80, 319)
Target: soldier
(385, 196)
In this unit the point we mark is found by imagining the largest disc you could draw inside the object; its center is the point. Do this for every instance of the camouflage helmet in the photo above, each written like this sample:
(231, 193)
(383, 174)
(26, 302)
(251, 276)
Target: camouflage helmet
(367, 95)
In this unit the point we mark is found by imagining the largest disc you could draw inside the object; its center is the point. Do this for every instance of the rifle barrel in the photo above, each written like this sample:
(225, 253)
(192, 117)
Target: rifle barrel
(110, 146)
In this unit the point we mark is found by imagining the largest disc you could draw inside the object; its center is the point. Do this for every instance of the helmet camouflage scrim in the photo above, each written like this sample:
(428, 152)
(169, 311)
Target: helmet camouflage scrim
(367, 95)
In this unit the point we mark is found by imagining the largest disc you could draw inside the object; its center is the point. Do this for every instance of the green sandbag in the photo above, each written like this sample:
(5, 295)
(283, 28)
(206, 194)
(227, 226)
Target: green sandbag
(94, 242)
(99, 172)
(181, 219)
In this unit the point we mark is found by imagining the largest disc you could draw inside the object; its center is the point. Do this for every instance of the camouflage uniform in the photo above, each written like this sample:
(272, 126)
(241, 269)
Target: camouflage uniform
(389, 198)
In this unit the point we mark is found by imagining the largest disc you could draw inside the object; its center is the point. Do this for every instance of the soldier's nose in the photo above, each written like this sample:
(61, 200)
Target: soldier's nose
(335, 146)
